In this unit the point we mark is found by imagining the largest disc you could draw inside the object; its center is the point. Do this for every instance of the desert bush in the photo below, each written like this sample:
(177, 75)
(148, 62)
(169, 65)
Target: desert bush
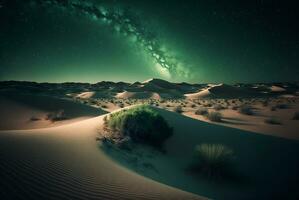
(213, 160)
(296, 115)
(218, 107)
(272, 120)
(104, 106)
(214, 116)
(56, 116)
(201, 111)
(141, 124)
(121, 105)
(246, 110)
(178, 109)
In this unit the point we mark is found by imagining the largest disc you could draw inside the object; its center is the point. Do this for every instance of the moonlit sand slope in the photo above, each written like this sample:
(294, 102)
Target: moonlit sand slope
(18, 110)
(265, 167)
(66, 162)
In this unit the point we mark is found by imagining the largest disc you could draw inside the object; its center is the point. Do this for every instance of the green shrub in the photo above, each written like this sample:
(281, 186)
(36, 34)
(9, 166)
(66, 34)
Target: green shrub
(56, 116)
(246, 110)
(214, 116)
(201, 111)
(218, 107)
(178, 109)
(140, 124)
(213, 160)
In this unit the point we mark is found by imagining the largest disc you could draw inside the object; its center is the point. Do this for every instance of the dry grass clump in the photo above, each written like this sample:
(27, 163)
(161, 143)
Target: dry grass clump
(56, 116)
(246, 110)
(178, 109)
(218, 107)
(201, 111)
(213, 160)
(214, 116)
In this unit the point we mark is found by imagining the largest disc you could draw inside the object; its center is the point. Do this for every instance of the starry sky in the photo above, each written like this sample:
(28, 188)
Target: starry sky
(195, 41)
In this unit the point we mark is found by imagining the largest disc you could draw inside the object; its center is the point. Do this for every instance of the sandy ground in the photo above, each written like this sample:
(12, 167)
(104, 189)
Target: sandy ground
(66, 163)
(288, 128)
(30, 111)
(261, 163)
(231, 117)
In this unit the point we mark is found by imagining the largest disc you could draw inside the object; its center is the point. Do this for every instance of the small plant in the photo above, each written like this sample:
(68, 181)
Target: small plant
(246, 110)
(272, 120)
(56, 116)
(213, 160)
(104, 106)
(178, 109)
(214, 116)
(218, 107)
(201, 111)
(296, 116)
(121, 105)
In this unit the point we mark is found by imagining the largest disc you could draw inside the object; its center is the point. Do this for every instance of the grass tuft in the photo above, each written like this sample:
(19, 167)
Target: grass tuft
(213, 160)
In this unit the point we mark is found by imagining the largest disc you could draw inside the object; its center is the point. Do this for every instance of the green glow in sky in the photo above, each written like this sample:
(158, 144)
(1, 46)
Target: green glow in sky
(191, 41)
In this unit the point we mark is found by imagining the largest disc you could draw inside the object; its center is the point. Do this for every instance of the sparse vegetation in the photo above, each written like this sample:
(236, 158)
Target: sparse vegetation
(56, 116)
(201, 111)
(246, 110)
(104, 106)
(214, 116)
(218, 107)
(141, 124)
(178, 109)
(213, 160)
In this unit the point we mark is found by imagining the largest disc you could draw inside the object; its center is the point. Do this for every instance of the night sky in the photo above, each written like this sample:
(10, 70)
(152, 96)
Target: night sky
(132, 40)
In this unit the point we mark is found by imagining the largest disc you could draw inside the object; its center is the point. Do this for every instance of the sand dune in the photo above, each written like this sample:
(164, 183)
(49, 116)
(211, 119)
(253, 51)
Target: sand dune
(30, 111)
(199, 95)
(138, 95)
(85, 95)
(222, 91)
(66, 163)
(275, 88)
(258, 157)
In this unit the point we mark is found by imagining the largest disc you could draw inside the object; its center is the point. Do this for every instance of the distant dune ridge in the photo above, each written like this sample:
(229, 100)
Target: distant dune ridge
(153, 88)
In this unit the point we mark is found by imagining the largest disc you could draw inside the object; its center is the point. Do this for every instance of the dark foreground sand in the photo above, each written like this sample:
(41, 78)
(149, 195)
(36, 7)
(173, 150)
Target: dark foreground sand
(65, 163)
